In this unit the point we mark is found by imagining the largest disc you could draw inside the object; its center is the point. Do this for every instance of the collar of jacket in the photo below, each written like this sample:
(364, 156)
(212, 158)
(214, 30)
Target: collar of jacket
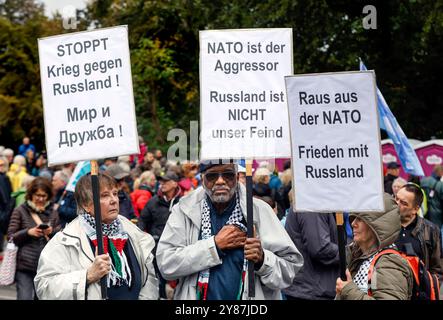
(191, 204)
(418, 226)
(357, 253)
(163, 197)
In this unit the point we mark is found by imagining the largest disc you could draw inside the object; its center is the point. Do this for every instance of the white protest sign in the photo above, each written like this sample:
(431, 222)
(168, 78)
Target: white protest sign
(335, 136)
(242, 93)
(87, 95)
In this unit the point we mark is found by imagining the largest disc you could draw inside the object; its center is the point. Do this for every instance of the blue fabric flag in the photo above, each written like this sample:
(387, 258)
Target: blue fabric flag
(82, 168)
(405, 151)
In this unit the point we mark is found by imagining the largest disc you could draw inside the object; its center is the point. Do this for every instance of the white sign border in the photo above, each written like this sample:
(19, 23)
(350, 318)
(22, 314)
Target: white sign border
(374, 82)
(200, 84)
(50, 164)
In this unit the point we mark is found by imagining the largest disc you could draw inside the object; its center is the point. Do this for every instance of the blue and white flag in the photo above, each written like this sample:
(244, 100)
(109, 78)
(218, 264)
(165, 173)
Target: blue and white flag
(82, 168)
(405, 151)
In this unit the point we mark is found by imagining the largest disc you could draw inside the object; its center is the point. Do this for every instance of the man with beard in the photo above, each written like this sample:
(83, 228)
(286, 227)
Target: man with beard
(205, 246)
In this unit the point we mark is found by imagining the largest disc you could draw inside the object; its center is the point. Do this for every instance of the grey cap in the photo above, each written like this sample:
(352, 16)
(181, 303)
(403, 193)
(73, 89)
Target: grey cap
(117, 172)
(169, 175)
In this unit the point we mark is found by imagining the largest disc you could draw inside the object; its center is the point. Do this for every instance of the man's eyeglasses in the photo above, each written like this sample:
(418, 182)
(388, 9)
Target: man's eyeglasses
(226, 175)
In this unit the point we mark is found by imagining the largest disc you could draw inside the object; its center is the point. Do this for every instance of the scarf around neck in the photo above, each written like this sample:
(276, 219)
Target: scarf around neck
(361, 277)
(114, 240)
(206, 232)
(34, 207)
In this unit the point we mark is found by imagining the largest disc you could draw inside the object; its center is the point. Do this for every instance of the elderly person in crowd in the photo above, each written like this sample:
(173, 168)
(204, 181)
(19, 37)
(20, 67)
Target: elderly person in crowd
(68, 268)
(205, 245)
(17, 171)
(144, 187)
(30, 227)
(397, 184)
(392, 277)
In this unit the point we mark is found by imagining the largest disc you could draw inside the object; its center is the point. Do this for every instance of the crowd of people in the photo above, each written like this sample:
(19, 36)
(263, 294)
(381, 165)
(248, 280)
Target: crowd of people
(179, 231)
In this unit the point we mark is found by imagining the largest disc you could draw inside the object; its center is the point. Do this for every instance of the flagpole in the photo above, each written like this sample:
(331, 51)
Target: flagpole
(98, 220)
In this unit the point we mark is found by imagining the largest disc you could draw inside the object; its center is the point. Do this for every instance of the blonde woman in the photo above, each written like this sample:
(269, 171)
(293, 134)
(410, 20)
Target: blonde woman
(17, 171)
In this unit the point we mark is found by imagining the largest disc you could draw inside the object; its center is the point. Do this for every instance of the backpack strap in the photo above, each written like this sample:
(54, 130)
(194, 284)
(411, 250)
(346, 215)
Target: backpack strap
(374, 261)
(413, 264)
(435, 284)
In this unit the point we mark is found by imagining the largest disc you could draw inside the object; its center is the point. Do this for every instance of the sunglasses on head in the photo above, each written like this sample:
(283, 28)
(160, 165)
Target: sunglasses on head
(226, 175)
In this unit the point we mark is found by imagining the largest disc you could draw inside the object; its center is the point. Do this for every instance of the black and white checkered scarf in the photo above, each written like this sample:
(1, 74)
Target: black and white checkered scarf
(206, 232)
(361, 277)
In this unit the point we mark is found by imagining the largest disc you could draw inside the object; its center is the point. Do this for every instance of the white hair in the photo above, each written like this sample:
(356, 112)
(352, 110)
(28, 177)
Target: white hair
(124, 159)
(8, 152)
(125, 166)
(399, 181)
(63, 176)
(19, 160)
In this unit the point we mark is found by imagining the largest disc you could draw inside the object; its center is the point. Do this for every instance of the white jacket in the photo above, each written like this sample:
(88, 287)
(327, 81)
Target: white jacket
(180, 255)
(61, 272)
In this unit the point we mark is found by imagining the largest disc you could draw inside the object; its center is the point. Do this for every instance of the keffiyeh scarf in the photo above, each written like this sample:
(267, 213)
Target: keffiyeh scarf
(206, 232)
(114, 240)
(361, 277)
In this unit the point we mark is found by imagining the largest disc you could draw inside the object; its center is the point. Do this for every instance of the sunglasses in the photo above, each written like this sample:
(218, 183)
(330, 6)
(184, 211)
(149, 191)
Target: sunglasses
(226, 175)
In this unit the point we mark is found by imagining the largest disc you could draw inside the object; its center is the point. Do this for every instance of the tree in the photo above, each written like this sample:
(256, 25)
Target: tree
(404, 50)
(21, 113)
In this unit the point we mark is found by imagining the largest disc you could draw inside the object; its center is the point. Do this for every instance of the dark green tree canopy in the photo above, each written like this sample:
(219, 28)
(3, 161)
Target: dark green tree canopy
(405, 50)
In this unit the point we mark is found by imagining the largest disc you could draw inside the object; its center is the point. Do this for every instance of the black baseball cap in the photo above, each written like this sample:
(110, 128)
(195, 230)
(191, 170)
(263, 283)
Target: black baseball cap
(206, 164)
(393, 165)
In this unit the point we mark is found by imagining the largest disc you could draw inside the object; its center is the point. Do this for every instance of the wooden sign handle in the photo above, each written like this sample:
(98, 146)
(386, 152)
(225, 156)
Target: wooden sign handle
(98, 220)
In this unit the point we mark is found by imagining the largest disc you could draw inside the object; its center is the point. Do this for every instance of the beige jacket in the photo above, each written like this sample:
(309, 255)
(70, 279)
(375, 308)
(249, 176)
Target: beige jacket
(181, 255)
(61, 272)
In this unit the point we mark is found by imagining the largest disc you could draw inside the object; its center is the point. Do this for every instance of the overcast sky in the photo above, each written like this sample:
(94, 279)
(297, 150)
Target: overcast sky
(53, 5)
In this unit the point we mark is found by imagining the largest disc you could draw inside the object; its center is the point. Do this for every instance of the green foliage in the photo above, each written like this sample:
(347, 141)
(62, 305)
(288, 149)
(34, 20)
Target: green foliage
(153, 74)
(405, 51)
(21, 113)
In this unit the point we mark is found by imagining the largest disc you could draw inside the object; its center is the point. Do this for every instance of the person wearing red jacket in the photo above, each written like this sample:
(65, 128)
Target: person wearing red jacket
(144, 190)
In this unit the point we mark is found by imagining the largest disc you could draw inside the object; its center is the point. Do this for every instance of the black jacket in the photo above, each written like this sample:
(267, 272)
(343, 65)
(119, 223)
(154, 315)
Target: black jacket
(388, 181)
(6, 205)
(315, 235)
(428, 234)
(155, 214)
(126, 208)
(68, 209)
(29, 247)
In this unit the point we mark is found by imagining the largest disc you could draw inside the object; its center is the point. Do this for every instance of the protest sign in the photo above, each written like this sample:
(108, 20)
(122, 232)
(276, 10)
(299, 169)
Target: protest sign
(335, 142)
(87, 95)
(242, 93)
